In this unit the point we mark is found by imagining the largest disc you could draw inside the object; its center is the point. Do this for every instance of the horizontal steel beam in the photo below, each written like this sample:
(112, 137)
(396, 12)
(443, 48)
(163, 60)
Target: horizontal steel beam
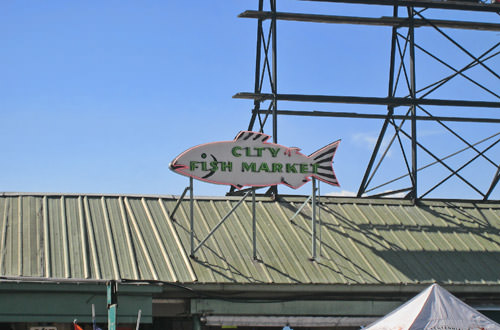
(441, 4)
(297, 307)
(389, 101)
(314, 113)
(305, 321)
(381, 21)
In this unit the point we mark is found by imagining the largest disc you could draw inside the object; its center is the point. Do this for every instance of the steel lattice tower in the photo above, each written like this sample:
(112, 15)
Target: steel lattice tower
(406, 104)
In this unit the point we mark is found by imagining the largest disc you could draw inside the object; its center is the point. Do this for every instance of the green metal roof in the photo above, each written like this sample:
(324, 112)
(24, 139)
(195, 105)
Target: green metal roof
(362, 241)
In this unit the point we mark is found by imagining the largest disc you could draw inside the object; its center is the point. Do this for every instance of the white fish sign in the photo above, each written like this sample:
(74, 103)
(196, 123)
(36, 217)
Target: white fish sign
(249, 160)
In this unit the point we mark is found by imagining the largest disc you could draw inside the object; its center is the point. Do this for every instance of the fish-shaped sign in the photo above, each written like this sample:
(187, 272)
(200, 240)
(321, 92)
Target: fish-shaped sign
(249, 160)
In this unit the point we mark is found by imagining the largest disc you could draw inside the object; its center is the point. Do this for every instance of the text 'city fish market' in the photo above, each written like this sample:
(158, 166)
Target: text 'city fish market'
(249, 160)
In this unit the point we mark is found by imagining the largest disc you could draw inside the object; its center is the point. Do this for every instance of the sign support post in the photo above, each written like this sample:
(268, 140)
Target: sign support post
(254, 222)
(254, 226)
(320, 221)
(191, 216)
(179, 202)
(219, 224)
(313, 247)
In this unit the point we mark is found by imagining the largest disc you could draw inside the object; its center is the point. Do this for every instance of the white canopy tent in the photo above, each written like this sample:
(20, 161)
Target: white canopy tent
(434, 309)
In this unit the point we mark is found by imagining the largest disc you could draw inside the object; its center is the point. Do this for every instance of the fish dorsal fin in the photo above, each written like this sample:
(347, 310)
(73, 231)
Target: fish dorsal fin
(292, 151)
(251, 136)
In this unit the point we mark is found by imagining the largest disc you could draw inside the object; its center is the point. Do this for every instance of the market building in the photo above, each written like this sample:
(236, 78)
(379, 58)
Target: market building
(59, 251)
(272, 260)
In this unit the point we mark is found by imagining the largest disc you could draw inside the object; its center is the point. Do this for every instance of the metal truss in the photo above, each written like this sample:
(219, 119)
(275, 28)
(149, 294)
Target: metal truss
(406, 104)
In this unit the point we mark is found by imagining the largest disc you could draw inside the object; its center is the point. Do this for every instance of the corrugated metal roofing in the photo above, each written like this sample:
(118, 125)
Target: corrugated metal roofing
(361, 241)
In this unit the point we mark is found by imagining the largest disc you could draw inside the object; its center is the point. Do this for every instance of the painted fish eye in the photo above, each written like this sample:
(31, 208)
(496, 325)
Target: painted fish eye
(203, 155)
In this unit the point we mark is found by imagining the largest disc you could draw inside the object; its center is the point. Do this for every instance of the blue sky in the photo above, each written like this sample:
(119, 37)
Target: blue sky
(99, 97)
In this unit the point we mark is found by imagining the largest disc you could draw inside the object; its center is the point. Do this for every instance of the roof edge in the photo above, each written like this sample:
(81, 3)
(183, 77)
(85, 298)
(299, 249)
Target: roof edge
(283, 198)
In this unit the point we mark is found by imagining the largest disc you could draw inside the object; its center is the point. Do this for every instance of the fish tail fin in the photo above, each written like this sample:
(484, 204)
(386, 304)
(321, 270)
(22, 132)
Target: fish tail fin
(323, 163)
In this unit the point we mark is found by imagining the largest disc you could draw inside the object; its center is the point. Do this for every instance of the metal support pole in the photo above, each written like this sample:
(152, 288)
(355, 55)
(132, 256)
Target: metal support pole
(320, 221)
(313, 222)
(275, 73)
(138, 320)
(93, 318)
(257, 87)
(112, 302)
(191, 216)
(301, 207)
(413, 88)
(254, 226)
(220, 223)
(493, 184)
(274, 189)
(179, 202)
(196, 322)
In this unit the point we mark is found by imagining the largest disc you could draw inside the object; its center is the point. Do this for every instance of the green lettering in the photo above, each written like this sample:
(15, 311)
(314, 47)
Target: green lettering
(193, 165)
(315, 168)
(226, 166)
(204, 166)
(277, 167)
(290, 168)
(274, 152)
(245, 167)
(264, 167)
(213, 166)
(235, 150)
(303, 168)
(259, 151)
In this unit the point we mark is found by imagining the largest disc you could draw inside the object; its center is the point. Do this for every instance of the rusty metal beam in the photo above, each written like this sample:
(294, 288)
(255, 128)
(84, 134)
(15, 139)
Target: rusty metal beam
(375, 21)
(460, 5)
(393, 101)
(336, 114)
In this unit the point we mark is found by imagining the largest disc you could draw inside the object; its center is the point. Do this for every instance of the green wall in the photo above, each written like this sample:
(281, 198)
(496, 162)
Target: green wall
(32, 302)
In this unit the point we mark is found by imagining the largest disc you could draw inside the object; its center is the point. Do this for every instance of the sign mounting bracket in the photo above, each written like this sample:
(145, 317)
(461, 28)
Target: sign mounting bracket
(214, 229)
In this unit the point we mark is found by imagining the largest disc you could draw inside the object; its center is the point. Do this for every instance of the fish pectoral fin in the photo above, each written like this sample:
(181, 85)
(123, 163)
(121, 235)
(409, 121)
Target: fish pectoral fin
(295, 182)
